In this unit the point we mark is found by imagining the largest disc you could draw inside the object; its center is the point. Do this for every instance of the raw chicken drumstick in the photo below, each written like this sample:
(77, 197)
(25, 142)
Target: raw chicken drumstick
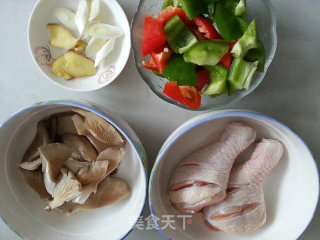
(201, 179)
(244, 209)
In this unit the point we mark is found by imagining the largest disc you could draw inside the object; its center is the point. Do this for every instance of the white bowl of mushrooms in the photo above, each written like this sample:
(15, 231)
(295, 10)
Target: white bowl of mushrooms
(70, 171)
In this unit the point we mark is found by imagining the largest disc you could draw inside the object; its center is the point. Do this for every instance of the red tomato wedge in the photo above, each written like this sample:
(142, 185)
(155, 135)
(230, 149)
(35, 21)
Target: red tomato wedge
(203, 78)
(206, 27)
(187, 95)
(153, 36)
(226, 60)
(166, 14)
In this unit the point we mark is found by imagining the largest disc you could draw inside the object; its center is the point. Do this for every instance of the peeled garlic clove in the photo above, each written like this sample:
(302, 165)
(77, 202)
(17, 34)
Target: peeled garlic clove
(94, 9)
(81, 16)
(103, 30)
(104, 51)
(94, 45)
(66, 17)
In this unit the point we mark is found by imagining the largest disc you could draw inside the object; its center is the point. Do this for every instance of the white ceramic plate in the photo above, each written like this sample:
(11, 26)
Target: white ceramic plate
(20, 206)
(291, 190)
(43, 53)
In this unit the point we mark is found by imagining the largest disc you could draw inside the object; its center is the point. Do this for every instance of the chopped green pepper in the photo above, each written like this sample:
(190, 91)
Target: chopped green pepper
(240, 75)
(180, 71)
(193, 8)
(237, 7)
(248, 41)
(206, 52)
(229, 26)
(218, 81)
(167, 3)
(179, 36)
(257, 54)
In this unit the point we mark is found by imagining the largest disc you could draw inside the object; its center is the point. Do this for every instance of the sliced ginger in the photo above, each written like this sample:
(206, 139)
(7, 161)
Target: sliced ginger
(61, 37)
(72, 64)
(57, 65)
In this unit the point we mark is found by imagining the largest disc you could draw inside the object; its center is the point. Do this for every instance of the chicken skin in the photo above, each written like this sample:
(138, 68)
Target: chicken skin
(244, 208)
(201, 179)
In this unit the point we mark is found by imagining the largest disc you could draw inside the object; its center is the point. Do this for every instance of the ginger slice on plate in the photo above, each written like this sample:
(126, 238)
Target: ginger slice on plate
(57, 69)
(78, 65)
(61, 37)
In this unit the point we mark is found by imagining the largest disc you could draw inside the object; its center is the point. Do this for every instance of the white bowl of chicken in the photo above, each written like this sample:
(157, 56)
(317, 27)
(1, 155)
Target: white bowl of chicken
(70, 171)
(233, 174)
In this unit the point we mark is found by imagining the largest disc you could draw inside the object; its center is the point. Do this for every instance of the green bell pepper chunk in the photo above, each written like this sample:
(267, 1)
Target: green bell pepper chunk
(237, 7)
(193, 8)
(248, 41)
(180, 71)
(166, 4)
(229, 26)
(179, 36)
(240, 75)
(257, 54)
(218, 81)
(206, 52)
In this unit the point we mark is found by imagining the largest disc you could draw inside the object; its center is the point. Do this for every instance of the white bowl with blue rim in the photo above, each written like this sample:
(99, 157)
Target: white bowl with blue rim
(43, 53)
(20, 206)
(291, 190)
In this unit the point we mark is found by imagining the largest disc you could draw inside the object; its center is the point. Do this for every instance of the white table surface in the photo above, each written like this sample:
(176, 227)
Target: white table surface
(289, 93)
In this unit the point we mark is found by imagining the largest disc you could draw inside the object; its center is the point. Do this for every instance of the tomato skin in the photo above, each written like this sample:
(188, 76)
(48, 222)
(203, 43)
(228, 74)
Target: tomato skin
(153, 36)
(203, 77)
(187, 95)
(205, 26)
(166, 14)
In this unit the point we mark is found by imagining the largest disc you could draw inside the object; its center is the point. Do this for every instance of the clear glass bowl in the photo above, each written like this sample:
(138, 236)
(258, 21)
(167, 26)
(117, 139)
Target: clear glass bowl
(261, 10)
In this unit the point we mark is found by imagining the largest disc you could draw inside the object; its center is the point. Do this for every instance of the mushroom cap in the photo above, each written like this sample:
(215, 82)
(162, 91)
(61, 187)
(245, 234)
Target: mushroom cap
(109, 191)
(100, 128)
(35, 181)
(41, 138)
(81, 129)
(65, 124)
(97, 172)
(81, 146)
(31, 165)
(86, 192)
(53, 157)
(65, 190)
(75, 165)
(113, 155)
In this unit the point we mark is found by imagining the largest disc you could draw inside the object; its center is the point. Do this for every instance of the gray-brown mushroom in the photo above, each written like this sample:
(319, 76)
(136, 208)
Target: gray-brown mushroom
(41, 138)
(81, 146)
(65, 124)
(109, 191)
(97, 171)
(65, 190)
(113, 155)
(35, 181)
(31, 165)
(100, 128)
(53, 157)
(75, 165)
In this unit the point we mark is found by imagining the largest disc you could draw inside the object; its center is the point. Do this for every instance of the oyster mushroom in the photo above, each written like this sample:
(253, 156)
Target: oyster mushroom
(81, 129)
(75, 165)
(86, 192)
(66, 189)
(100, 128)
(35, 181)
(81, 146)
(113, 155)
(31, 165)
(109, 191)
(96, 172)
(41, 138)
(65, 124)
(53, 157)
